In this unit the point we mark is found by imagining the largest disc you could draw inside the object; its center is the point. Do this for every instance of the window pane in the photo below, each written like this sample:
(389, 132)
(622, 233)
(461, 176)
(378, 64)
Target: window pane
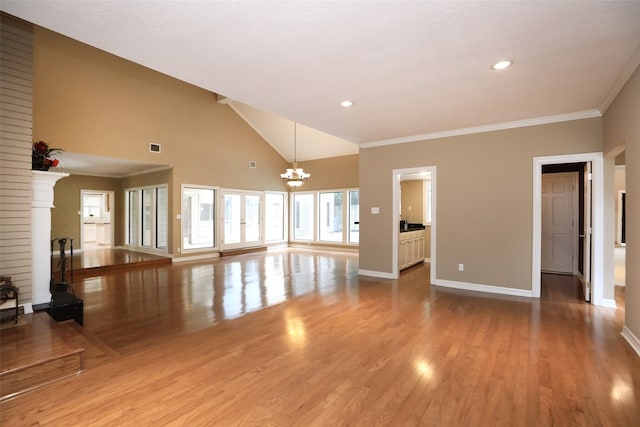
(303, 216)
(134, 217)
(252, 218)
(162, 216)
(147, 215)
(232, 218)
(198, 218)
(428, 213)
(274, 217)
(354, 216)
(93, 206)
(331, 216)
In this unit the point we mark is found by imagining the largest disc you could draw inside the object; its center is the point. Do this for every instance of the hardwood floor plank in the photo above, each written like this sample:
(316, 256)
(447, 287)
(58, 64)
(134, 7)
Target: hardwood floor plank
(297, 338)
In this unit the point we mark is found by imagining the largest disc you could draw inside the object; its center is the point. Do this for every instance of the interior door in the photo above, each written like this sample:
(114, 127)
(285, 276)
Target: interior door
(559, 222)
(586, 233)
(241, 218)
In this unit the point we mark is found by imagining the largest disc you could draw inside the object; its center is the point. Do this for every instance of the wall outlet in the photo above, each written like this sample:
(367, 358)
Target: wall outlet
(460, 267)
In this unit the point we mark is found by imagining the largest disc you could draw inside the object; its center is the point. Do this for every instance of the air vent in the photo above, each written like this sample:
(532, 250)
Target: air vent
(252, 164)
(154, 148)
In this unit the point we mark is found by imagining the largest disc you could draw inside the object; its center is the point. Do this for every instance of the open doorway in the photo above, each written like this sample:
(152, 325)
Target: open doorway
(565, 226)
(96, 228)
(426, 214)
(594, 248)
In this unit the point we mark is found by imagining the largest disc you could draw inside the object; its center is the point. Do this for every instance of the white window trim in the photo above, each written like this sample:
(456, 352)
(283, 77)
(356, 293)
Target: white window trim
(216, 194)
(316, 226)
(285, 213)
(140, 247)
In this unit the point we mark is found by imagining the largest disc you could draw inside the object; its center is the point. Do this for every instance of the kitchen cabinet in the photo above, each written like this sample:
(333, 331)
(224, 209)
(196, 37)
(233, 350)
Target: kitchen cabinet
(411, 248)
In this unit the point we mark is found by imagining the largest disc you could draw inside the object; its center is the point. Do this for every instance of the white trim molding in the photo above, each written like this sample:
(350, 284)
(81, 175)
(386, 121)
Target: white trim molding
(588, 114)
(483, 288)
(379, 274)
(597, 279)
(633, 341)
(395, 222)
(608, 302)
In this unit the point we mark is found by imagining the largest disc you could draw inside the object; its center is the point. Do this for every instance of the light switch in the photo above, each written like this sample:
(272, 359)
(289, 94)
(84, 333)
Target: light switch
(375, 211)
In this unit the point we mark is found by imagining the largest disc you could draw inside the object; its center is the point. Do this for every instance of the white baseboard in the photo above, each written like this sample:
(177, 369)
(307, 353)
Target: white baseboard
(484, 288)
(314, 247)
(28, 308)
(427, 260)
(633, 341)
(608, 302)
(379, 274)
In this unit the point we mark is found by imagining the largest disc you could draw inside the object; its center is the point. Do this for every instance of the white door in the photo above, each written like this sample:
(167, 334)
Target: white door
(586, 233)
(559, 222)
(241, 219)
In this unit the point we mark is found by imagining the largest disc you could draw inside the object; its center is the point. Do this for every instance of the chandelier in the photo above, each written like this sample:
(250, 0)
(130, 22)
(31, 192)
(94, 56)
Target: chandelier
(295, 176)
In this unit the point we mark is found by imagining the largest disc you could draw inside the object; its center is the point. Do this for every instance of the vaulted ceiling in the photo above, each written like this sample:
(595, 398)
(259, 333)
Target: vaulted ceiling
(413, 70)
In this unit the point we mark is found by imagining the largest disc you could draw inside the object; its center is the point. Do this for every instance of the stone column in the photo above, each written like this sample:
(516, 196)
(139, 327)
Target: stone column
(42, 184)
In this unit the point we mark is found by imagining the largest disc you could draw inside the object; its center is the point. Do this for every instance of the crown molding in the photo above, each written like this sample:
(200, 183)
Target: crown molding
(624, 76)
(588, 114)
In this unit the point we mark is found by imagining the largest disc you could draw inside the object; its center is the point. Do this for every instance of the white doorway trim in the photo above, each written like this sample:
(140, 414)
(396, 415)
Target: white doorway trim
(395, 234)
(598, 220)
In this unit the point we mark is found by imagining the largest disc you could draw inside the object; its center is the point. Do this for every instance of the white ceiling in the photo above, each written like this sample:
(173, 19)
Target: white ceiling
(85, 164)
(412, 69)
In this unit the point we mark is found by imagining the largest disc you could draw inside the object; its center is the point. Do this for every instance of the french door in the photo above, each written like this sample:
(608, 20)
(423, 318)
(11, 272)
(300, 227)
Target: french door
(241, 219)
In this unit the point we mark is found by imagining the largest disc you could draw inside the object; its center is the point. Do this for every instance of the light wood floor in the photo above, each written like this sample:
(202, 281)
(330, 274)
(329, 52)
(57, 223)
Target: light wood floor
(297, 338)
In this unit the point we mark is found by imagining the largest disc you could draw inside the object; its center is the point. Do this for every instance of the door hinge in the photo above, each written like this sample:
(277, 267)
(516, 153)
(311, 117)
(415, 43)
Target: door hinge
(590, 176)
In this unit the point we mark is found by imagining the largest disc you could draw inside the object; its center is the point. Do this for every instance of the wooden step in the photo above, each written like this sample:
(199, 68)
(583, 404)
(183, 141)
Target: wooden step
(37, 354)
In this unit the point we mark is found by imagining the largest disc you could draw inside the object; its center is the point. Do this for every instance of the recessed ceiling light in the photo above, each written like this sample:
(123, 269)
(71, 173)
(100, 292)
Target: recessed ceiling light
(346, 103)
(501, 65)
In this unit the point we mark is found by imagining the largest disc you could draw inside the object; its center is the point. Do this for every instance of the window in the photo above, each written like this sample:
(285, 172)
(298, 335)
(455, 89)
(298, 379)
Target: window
(427, 190)
(198, 217)
(93, 205)
(133, 217)
(303, 216)
(325, 217)
(331, 217)
(147, 217)
(274, 218)
(162, 218)
(354, 216)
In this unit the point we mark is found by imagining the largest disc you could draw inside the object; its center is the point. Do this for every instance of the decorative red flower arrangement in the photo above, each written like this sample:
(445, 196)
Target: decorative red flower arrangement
(41, 155)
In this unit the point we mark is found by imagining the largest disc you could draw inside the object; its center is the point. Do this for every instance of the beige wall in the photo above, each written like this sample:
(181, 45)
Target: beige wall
(65, 221)
(484, 198)
(412, 201)
(90, 102)
(622, 131)
(331, 173)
